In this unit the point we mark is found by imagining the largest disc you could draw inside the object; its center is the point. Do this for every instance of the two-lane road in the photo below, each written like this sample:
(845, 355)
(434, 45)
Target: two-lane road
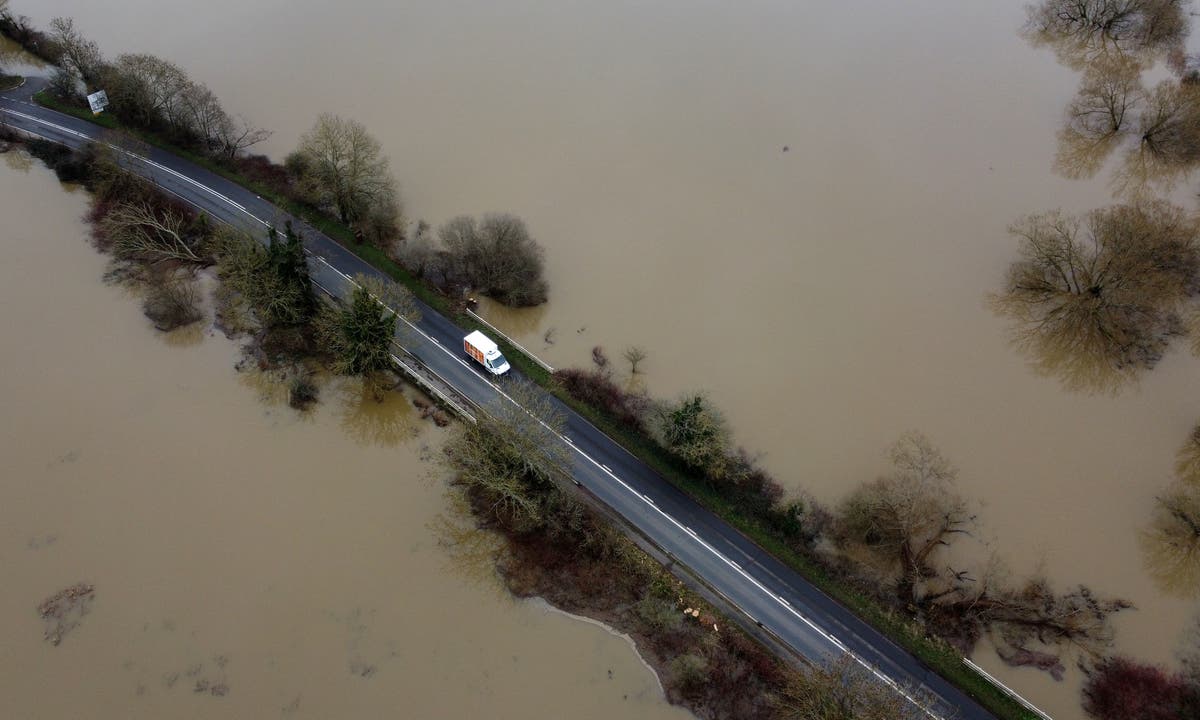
(769, 593)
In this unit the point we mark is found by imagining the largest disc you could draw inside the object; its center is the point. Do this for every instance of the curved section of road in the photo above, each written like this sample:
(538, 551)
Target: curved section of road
(772, 595)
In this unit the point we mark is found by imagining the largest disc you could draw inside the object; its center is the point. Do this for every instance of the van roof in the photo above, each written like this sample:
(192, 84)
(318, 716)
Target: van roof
(483, 343)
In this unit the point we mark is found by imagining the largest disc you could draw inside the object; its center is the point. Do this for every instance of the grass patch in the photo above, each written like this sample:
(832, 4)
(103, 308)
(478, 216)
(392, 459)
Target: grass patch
(939, 657)
(8, 82)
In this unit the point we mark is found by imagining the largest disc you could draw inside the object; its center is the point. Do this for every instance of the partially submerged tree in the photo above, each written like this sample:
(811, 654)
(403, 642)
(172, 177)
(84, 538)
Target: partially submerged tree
(1100, 116)
(634, 355)
(1168, 133)
(1081, 31)
(1171, 544)
(171, 302)
(498, 257)
(344, 167)
(1097, 298)
(1122, 689)
(845, 690)
(1187, 460)
(907, 515)
(142, 230)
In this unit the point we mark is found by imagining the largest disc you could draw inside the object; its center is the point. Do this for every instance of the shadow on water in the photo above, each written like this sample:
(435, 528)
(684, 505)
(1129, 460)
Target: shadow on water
(368, 421)
(470, 552)
(517, 322)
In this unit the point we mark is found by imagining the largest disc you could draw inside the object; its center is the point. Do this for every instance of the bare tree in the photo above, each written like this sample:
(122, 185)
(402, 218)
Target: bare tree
(1100, 116)
(844, 690)
(1171, 544)
(347, 166)
(905, 516)
(1168, 145)
(205, 116)
(635, 355)
(151, 90)
(1096, 299)
(1081, 31)
(79, 53)
(141, 230)
(171, 302)
(237, 134)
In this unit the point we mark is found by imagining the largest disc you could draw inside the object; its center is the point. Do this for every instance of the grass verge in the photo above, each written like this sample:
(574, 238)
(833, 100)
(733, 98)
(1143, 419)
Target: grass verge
(938, 656)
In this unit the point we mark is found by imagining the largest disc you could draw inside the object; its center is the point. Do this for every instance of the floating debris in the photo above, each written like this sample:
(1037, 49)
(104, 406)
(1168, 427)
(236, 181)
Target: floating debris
(64, 610)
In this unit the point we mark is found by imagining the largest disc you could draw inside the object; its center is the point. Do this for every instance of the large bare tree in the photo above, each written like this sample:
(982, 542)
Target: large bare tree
(1168, 133)
(908, 519)
(1171, 544)
(1096, 298)
(905, 516)
(1100, 117)
(78, 53)
(346, 167)
(1080, 31)
(141, 230)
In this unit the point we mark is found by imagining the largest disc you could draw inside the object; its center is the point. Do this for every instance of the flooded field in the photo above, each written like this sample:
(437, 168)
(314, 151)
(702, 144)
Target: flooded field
(246, 560)
(799, 208)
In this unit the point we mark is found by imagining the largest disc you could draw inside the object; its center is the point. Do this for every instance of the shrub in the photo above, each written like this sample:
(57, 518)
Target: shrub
(1120, 689)
(598, 390)
(171, 303)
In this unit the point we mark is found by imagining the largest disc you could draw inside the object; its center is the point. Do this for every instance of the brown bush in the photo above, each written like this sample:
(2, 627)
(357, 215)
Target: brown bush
(1122, 689)
(597, 389)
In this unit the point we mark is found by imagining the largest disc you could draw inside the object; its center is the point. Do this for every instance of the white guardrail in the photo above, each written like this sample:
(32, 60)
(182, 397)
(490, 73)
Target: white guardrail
(514, 343)
(1007, 690)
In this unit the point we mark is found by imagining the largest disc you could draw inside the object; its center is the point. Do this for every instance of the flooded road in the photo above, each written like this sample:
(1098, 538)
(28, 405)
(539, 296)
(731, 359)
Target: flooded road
(829, 296)
(248, 561)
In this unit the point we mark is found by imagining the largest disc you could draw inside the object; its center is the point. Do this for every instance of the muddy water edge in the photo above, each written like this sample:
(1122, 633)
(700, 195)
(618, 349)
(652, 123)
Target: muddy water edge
(247, 560)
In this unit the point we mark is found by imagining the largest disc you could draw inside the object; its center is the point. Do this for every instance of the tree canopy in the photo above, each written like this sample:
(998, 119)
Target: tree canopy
(344, 168)
(1097, 297)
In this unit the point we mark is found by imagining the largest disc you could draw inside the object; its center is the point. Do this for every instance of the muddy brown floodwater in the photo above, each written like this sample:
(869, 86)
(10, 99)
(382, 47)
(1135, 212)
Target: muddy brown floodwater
(828, 297)
(247, 561)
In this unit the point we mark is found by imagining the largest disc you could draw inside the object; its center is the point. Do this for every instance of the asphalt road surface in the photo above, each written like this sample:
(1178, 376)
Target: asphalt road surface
(772, 596)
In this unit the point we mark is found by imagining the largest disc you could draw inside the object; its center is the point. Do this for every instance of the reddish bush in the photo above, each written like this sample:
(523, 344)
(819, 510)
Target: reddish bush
(597, 389)
(1122, 689)
(259, 168)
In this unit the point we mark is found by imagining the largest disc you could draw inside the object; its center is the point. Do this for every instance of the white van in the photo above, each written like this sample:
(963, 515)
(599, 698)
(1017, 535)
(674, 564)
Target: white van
(485, 352)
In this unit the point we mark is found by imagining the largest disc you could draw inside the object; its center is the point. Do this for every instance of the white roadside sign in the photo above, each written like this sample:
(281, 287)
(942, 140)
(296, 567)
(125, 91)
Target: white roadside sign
(98, 101)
